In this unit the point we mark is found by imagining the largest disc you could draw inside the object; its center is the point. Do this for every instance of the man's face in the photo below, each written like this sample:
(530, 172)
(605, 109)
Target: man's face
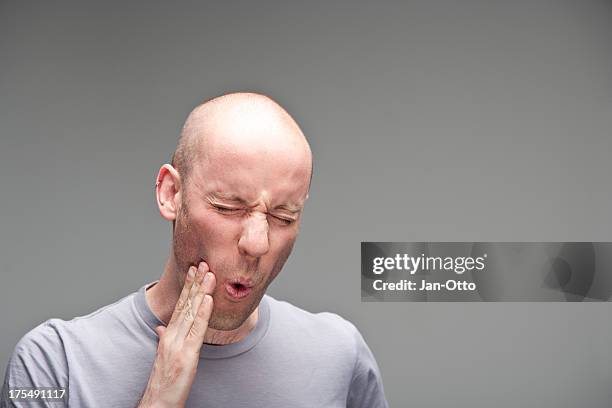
(240, 212)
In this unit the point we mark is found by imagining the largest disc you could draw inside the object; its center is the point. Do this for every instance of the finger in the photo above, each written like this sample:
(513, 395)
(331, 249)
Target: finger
(195, 337)
(209, 284)
(196, 294)
(160, 330)
(180, 304)
(200, 324)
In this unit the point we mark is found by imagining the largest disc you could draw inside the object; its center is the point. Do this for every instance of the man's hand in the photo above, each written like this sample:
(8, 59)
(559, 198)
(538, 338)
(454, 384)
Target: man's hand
(178, 351)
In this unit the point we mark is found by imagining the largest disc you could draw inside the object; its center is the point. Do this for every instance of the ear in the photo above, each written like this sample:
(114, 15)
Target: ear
(168, 192)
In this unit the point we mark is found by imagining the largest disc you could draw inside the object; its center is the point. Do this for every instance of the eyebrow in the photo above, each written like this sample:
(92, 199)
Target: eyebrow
(292, 208)
(218, 195)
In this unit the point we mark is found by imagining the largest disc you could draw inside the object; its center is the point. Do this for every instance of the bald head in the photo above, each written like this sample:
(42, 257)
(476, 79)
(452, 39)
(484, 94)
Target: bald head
(235, 122)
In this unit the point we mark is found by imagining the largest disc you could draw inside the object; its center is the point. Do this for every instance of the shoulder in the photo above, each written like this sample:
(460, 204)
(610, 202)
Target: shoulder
(285, 310)
(92, 327)
(336, 345)
(322, 327)
(39, 359)
(44, 347)
(43, 338)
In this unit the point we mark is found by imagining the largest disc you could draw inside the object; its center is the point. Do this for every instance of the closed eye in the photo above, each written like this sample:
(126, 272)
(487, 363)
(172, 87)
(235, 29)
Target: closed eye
(277, 219)
(226, 210)
(282, 220)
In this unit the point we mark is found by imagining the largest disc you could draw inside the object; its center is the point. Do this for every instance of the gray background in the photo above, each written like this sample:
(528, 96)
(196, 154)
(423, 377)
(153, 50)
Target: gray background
(429, 121)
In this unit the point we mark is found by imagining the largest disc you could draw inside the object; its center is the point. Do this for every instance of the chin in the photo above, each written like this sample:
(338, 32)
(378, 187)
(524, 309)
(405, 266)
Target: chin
(231, 319)
(226, 322)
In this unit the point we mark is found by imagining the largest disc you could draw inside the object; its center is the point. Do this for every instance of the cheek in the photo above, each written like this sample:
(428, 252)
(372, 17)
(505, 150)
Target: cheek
(282, 245)
(214, 237)
(183, 244)
(192, 232)
(214, 229)
(282, 238)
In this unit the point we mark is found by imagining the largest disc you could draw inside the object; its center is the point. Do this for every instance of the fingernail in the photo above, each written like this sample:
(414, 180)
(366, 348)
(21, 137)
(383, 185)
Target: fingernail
(191, 271)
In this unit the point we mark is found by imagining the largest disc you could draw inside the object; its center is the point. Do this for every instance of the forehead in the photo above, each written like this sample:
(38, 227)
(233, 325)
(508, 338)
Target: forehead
(236, 170)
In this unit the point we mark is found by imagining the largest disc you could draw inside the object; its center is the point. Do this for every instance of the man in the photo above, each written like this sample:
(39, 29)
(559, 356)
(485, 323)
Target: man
(205, 334)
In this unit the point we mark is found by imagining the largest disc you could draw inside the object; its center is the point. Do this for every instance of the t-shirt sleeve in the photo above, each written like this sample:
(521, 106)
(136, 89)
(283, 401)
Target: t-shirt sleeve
(366, 389)
(38, 361)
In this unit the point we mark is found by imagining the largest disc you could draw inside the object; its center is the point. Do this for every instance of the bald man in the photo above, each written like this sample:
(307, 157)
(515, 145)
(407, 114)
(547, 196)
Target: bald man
(206, 334)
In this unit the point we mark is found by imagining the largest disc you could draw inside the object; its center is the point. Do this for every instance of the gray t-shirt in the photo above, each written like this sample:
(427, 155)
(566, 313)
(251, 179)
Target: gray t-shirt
(292, 358)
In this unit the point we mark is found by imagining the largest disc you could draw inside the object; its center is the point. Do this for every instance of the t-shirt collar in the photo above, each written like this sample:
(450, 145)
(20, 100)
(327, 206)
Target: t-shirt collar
(209, 351)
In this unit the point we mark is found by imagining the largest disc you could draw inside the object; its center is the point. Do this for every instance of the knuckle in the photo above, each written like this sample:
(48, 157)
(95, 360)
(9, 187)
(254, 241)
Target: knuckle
(188, 315)
(165, 344)
(194, 331)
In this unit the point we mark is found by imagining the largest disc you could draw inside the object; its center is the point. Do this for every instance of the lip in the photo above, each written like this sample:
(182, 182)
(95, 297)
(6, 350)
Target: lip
(243, 281)
(237, 293)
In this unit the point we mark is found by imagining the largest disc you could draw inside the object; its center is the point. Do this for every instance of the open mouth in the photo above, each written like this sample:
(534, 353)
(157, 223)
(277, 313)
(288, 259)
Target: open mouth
(238, 290)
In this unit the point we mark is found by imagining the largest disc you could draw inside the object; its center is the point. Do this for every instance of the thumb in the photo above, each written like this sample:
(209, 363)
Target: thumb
(160, 330)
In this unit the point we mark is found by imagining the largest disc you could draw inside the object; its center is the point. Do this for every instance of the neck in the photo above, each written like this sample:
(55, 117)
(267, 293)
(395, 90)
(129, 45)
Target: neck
(162, 298)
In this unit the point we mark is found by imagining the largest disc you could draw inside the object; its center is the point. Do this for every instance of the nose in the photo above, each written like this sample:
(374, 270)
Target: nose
(254, 239)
